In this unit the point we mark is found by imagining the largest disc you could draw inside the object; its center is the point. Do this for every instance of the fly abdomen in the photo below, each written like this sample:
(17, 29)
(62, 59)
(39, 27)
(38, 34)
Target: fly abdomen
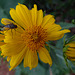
(10, 26)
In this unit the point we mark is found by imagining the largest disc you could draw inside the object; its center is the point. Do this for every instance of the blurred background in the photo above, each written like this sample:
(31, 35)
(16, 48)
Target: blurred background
(64, 12)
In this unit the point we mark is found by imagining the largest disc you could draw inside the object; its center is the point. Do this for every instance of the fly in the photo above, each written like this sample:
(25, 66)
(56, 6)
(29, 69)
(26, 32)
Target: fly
(8, 27)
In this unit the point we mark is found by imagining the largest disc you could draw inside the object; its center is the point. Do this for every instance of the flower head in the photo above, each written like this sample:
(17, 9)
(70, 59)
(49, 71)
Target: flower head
(32, 31)
(70, 53)
(1, 38)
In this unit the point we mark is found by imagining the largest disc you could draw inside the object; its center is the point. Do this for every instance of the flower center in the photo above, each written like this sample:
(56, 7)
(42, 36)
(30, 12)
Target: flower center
(34, 37)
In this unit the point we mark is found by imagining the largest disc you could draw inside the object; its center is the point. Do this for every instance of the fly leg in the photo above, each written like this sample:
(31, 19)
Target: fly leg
(12, 33)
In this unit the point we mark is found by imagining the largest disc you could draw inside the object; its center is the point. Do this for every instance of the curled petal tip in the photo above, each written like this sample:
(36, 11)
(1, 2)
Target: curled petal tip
(11, 8)
(19, 4)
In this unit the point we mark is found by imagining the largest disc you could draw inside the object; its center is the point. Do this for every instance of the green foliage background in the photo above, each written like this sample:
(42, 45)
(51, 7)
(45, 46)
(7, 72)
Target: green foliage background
(59, 8)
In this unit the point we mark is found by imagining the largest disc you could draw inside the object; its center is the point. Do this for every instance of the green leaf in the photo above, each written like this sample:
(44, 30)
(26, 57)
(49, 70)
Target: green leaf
(71, 65)
(66, 48)
(48, 48)
(65, 25)
(57, 55)
(58, 60)
(71, 39)
(9, 3)
(73, 21)
(73, 62)
(44, 13)
(2, 14)
(6, 5)
(18, 71)
(39, 70)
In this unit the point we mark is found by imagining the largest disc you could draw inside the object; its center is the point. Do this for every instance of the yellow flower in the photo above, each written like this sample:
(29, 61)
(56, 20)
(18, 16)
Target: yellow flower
(70, 53)
(30, 36)
(1, 38)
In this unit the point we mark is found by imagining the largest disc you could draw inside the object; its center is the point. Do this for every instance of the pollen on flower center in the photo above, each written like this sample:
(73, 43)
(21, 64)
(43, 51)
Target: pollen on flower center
(35, 37)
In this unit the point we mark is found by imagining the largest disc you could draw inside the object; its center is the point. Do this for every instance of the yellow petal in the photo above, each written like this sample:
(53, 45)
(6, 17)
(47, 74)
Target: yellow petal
(34, 14)
(6, 21)
(24, 14)
(70, 54)
(57, 35)
(31, 59)
(39, 17)
(2, 43)
(45, 56)
(52, 28)
(8, 58)
(14, 36)
(16, 59)
(12, 49)
(16, 18)
(72, 59)
(2, 37)
(72, 44)
(71, 49)
(49, 19)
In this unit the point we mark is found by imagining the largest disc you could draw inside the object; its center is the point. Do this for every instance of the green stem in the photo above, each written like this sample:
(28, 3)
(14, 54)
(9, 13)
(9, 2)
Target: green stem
(70, 39)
